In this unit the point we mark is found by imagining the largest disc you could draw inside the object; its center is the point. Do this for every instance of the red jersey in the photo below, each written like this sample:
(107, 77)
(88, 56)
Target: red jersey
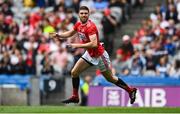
(84, 31)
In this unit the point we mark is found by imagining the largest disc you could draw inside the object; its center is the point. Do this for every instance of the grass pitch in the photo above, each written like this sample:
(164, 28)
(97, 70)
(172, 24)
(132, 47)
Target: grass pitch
(83, 110)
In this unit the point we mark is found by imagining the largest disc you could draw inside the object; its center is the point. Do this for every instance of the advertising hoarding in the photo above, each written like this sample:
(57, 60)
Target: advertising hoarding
(147, 96)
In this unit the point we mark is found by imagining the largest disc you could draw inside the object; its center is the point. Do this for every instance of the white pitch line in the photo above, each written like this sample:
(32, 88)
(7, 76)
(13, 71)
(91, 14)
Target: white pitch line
(89, 113)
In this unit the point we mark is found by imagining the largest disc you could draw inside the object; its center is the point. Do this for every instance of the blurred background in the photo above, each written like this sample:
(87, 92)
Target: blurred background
(142, 38)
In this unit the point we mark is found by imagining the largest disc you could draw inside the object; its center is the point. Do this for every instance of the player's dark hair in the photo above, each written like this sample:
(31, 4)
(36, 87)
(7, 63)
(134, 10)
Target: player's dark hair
(84, 8)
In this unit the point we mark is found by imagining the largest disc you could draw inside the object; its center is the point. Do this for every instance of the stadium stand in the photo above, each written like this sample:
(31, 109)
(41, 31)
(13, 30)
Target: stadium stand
(25, 47)
(152, 53)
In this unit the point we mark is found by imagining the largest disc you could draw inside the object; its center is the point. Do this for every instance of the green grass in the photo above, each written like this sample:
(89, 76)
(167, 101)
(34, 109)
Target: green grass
(78, 109)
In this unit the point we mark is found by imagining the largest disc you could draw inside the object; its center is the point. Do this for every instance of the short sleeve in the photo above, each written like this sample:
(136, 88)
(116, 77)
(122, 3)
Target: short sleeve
(76, 26)
(92, 30)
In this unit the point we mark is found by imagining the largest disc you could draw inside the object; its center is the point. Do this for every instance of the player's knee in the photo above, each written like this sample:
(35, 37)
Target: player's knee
(74, 73)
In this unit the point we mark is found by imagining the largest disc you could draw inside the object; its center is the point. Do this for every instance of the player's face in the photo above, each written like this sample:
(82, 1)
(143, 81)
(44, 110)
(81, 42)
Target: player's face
(83, 15)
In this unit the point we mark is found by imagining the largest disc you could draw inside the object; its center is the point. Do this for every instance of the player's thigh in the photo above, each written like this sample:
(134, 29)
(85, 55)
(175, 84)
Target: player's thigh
(105, 67)
(104, 62)
(79, 67)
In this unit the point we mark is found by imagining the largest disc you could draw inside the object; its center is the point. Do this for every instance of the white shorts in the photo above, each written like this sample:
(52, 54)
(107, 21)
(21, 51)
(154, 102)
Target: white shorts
(102, 62)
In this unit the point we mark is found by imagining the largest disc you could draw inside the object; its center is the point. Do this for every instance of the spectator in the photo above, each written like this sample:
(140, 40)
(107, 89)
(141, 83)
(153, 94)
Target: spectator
(30, 61)
(71, 18)
(48, 28)
(139, 3)
(85, 90)
(120, 65)
(175, 70)
(171, 13)
(137, 63)
(163, 68)
(116, 10)
(170, 47)
(41, 3)
(16, 61)
(178, 8)
(50, 3)
(3, 26)
(176, 43)
(114, 3)
(150, 63)
(126, 10)
(13, 26)
(108, 21)
(6, 9)
(47, 66)
(29, 3)
(5, 64)
(62, 61)
(159, 50)
(171, 29)
(126, 49)
(75, 5)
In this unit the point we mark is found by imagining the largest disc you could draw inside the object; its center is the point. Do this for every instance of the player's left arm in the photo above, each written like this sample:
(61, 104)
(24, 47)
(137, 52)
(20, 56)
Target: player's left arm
(92, 44)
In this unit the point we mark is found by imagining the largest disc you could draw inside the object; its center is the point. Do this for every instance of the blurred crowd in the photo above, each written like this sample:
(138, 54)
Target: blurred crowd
(154, 49)
(25, 46)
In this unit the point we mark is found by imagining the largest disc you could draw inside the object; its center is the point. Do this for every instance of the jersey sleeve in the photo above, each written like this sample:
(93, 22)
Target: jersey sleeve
(92, 30)
(76, 26)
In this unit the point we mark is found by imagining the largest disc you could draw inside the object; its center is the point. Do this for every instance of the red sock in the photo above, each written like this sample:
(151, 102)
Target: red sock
(75, 84)
(128, 89)
(123, 85)
(75, 92)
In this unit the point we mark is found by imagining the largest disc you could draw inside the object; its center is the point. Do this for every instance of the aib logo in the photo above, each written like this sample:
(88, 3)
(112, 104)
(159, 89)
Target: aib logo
(113, 97)
(146, 97)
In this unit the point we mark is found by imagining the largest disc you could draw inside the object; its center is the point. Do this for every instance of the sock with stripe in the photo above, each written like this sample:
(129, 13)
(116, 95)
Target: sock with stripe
(123, 85)
(75, 83)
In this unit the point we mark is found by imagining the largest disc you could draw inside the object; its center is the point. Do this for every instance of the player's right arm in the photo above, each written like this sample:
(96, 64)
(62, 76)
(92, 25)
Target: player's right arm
(63, 35)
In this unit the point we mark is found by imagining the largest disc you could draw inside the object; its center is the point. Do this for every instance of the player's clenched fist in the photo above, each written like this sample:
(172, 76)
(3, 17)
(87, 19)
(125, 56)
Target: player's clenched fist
(53, 35)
